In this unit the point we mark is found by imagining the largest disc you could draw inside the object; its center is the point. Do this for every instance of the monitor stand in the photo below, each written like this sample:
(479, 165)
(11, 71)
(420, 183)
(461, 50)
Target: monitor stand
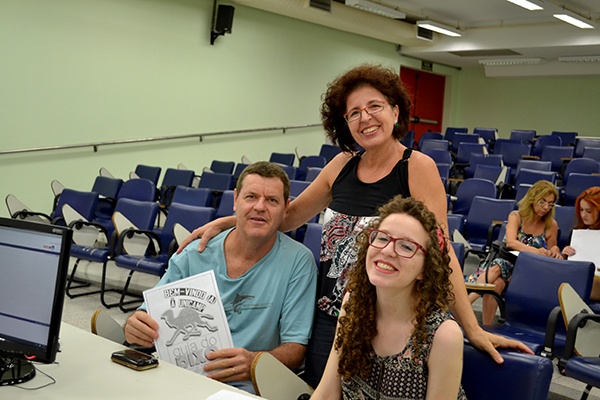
(15, 369)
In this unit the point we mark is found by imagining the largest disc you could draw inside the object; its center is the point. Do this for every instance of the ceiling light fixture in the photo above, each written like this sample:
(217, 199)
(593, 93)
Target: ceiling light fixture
(579, 59)
(510, 61)
(376, 8)
(439, 28)
(574, 19)
(530, 5)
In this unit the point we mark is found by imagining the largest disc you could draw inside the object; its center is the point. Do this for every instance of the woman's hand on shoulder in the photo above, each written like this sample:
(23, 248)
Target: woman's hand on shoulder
(205, 232)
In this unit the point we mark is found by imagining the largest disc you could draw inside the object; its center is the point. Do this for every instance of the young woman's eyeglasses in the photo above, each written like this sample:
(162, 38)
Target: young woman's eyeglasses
(544, 203)
(371, 109)
(405, 248)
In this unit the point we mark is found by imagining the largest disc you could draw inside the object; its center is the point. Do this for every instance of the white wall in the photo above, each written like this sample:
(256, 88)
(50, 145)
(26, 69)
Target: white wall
(545, 104)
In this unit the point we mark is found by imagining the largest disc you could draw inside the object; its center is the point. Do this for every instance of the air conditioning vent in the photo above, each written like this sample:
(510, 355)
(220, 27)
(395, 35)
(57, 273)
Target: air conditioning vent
(424, 34)
(324, 5)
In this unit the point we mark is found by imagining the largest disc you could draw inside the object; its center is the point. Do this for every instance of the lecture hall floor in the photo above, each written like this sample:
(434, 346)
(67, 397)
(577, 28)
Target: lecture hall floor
(78, 311)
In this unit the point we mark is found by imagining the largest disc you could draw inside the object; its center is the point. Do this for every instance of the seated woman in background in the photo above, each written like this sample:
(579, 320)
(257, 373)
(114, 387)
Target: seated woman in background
(531, 228)
(587, 211)
(395, 337)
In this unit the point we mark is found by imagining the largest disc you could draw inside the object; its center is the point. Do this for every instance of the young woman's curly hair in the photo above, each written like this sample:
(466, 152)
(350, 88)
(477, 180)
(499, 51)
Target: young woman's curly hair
(538, 191)
(592, 197)
(358, 327)
(333, 108)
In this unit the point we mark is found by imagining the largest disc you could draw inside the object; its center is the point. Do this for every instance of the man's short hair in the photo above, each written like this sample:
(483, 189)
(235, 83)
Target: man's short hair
(265, 169)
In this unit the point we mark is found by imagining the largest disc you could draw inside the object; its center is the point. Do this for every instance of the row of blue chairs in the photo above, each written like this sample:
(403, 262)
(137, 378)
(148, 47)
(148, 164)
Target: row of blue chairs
(326, 153)
(490, 136)
(509, 153)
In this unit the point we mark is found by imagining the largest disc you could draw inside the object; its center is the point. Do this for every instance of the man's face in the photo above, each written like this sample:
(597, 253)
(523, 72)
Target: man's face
(259, 206)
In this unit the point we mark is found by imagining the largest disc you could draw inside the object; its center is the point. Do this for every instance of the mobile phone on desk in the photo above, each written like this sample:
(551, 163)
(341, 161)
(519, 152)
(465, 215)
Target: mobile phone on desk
(134, 359)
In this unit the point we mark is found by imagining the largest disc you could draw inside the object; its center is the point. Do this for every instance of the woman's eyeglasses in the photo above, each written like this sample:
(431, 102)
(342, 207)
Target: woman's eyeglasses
(405, 248)
(544, 203)
(371, 109)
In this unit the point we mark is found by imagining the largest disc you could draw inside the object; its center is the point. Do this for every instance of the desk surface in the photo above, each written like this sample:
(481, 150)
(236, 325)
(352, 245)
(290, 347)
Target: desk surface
(84, 371)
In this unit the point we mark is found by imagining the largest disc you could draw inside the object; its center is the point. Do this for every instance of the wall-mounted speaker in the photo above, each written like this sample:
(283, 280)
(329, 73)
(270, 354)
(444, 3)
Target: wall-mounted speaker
(224, 19)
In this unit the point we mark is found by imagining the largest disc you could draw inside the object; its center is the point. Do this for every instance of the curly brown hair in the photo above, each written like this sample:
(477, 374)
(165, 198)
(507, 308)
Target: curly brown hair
(358, 327)
(333, 108)
(592, 197)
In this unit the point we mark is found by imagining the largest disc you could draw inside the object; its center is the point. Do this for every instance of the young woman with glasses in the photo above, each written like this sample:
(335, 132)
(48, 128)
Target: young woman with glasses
(532, 228)
(365, 112)
(396, 338)
(587, 212)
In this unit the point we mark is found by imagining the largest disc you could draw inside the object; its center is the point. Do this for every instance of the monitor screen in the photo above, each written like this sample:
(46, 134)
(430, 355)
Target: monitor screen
(34, 259)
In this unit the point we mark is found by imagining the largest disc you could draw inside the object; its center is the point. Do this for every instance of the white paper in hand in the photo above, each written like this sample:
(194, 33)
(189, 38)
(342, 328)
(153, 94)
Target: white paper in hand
(191, 318)
(585, 242)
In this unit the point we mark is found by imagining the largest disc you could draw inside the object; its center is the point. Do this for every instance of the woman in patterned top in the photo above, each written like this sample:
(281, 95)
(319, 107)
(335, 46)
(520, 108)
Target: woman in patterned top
(395, 337)
(532, 228)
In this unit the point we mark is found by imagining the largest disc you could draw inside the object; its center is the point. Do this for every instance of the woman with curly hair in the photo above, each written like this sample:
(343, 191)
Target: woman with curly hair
(365, 111)
(532, 228)
(587, 207)
(395, 337)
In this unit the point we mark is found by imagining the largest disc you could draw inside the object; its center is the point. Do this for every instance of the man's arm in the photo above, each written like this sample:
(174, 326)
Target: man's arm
(290, 354)
(141, 329)
(234, 364)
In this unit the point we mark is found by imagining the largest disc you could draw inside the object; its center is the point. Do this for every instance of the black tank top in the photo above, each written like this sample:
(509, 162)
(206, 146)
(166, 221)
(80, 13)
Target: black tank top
(353, 197)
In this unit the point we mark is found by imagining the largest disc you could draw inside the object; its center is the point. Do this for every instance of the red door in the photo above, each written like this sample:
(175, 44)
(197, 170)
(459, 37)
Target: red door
(427, 94)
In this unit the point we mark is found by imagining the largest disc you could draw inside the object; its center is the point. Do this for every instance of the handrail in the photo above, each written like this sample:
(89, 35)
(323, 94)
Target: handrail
(200, 136)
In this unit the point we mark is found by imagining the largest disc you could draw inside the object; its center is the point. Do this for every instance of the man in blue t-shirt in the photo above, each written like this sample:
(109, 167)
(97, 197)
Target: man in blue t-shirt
(267, 281)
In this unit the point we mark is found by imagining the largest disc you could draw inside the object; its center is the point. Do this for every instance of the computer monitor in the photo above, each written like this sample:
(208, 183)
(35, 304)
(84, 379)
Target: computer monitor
(34, 259)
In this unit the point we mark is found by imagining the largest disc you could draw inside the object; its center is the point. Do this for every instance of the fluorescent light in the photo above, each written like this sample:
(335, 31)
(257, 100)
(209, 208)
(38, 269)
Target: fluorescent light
(530, 5)
(376, 8)
(573, 21)
(580, 59)
(439, 28)
(510, 61)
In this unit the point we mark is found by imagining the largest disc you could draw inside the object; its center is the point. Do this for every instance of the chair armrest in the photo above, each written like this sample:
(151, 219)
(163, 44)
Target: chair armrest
(479, 287)
(490, 235)
(488, 288)
(81, 225)
(152, 239)
(553, 317)
(506, 190)
(578, 321)
(109, 200)
(24, 214)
